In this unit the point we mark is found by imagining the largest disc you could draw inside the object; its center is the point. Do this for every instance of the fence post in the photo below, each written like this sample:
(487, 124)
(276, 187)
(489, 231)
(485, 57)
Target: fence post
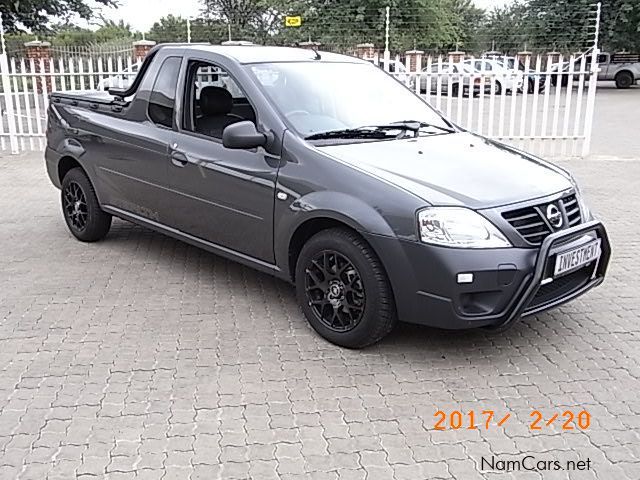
(8, 103)
(591, 93)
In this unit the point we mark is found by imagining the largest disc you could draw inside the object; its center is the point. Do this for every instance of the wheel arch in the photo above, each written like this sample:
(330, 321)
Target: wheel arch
(307, 229)
(65, 164)
(319, 211)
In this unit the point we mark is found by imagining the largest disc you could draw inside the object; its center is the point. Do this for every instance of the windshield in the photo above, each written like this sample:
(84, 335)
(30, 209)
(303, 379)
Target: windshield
(319, 97)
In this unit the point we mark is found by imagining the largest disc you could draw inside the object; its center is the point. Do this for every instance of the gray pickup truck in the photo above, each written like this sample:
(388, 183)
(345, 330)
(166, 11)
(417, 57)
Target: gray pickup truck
(622, 68)
(325, 171)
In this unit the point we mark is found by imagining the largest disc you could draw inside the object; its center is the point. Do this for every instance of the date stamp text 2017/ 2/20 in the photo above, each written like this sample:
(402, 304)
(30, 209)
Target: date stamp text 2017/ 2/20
(486, 419)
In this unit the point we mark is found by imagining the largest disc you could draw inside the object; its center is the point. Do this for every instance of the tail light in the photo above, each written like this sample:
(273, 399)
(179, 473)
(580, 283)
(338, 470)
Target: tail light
(476, 80)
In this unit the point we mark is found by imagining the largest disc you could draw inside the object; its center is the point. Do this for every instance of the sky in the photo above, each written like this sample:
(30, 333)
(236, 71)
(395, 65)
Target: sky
(142, 14)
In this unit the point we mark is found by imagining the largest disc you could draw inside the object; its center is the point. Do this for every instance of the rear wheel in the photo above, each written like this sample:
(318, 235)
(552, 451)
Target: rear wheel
(343, 289)
(85, 219)
(624, 80)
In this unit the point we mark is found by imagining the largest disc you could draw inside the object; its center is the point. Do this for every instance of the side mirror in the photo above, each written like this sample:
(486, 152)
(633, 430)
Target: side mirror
(243, 136)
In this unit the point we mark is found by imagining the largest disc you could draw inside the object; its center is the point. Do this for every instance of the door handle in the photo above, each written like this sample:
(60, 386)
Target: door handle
(179, 159)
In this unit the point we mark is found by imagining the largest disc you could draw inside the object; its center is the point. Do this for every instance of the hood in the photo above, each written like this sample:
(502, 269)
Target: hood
(459, 169)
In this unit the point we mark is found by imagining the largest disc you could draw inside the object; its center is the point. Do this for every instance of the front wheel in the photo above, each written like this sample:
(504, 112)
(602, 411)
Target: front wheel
(85, 219)
(343, 289)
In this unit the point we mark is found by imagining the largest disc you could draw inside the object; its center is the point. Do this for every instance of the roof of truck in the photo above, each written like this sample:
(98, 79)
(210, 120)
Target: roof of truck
(264, 54)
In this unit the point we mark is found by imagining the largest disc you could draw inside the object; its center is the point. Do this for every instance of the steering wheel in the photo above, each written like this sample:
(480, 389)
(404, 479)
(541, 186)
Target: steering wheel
(296, 112)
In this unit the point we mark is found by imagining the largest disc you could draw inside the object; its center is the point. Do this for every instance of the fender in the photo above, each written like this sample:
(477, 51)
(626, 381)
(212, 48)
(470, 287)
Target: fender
(337, 206)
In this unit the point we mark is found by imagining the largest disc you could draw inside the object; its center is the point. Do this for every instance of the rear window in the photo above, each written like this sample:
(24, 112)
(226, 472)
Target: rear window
(163, 95)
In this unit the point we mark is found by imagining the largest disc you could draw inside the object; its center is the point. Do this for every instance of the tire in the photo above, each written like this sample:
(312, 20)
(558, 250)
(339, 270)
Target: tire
(80, 208)
(354, 308)
(498, 88)
(531, 85)
(455, 89)
(624, 80)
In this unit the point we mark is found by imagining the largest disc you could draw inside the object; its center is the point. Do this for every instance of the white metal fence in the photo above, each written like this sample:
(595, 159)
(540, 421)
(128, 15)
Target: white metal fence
(550, 113)
(544, 104)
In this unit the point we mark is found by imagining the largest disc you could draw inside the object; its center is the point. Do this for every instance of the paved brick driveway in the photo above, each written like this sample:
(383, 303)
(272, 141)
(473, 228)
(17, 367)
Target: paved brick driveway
(142, 357)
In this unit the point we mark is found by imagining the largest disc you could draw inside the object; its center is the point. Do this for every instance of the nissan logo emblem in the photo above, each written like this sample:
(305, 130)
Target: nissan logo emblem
(554, 216)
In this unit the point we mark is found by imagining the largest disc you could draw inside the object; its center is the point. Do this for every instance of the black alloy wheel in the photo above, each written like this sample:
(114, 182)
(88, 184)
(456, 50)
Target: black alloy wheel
(335, 291)
(343, 289)
(75, 206)
(81, 209)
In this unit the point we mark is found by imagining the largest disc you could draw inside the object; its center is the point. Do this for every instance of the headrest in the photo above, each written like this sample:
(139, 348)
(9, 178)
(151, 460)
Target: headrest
(215, 101)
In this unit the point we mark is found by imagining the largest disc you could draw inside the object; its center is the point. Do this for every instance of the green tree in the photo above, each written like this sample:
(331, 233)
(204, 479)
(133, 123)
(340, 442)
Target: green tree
(169, 29)
(506, 29)
(620, 28)
(36, 15)
(467, 21)
(71, 35)
(175, 29)
(341, 24)
(110, 31)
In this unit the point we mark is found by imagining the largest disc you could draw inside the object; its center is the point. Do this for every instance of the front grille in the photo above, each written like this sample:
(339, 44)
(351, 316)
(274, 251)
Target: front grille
(561, 287)
(572, 208)
(531, 224)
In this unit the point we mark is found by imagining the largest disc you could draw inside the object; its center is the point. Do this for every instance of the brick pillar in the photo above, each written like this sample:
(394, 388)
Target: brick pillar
(365, 50)
(523, 56)
(40, 52)
(456, 56)
(141, 48)
(415, 59)
(554, 57)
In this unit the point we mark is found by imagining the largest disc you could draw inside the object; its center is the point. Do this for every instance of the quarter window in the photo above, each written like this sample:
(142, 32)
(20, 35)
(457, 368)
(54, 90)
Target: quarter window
(163, 95)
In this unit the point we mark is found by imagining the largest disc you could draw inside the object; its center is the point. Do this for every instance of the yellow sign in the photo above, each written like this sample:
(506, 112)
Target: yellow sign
(293, 21)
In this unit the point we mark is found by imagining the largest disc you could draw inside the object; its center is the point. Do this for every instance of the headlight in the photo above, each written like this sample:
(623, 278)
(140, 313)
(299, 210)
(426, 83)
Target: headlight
(584, 209)
(459, 227)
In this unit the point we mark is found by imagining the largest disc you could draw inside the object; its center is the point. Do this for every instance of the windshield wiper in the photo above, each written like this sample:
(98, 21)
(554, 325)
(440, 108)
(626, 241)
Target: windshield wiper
(377, 131)
(360, 132)
(416, 125)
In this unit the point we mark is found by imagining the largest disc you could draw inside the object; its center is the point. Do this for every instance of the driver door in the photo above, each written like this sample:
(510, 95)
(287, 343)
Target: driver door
(221, 195)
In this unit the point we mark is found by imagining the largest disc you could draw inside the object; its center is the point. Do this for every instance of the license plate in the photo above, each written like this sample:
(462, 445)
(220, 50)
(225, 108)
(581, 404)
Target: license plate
(576, 258)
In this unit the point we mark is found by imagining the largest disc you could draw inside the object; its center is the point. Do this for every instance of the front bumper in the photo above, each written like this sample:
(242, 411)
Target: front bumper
(508, 283)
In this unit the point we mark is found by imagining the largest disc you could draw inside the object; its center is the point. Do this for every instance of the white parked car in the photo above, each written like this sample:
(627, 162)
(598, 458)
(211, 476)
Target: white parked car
(397, 70)
(513, 63)
(505, 78)
(450, 77)
(121, 80)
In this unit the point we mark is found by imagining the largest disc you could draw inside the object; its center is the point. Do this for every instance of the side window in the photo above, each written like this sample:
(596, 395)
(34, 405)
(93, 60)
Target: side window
(163, 95)
(213, 100)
